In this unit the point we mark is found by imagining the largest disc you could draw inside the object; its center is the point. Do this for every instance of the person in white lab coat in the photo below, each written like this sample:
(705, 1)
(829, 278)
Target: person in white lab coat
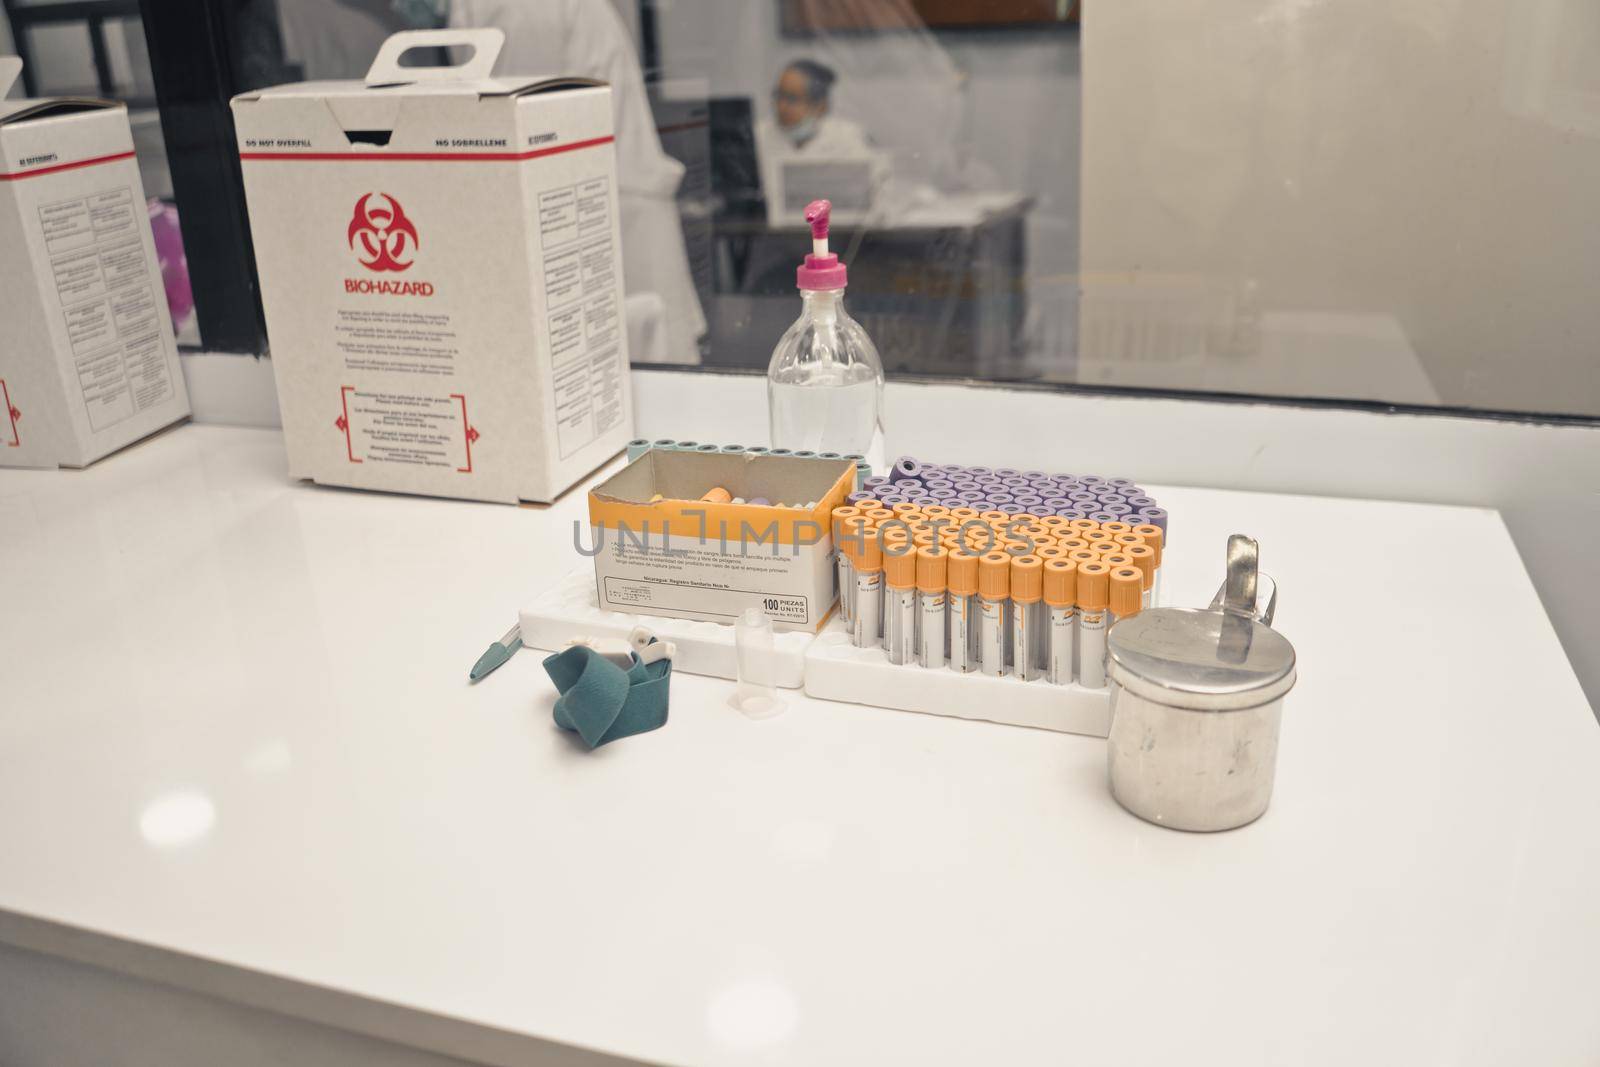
(587, 38)
(802, 124)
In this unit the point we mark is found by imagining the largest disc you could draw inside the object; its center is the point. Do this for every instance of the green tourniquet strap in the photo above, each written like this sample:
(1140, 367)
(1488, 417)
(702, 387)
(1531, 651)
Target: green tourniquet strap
(603, 702)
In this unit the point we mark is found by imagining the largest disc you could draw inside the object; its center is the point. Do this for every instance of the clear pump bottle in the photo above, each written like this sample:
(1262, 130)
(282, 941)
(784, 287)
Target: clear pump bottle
(825, 381)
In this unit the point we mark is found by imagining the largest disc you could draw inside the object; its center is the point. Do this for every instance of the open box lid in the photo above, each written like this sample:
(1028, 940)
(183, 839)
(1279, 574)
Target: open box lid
(684, 476)
(13, 112)
(388, 78)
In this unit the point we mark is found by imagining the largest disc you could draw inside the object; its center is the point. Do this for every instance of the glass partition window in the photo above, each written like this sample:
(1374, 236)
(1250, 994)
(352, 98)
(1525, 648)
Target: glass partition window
(1356, 202)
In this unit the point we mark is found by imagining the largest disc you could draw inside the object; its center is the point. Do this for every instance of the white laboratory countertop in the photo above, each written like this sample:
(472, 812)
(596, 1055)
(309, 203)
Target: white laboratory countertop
(238, 753)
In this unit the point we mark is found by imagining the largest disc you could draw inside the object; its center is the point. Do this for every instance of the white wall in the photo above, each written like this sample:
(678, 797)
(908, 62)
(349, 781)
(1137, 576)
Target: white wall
(1433, 162)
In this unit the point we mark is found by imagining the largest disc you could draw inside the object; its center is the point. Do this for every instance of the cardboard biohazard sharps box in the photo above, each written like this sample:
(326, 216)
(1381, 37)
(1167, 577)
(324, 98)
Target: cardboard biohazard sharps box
(440, 264)
(87, 358)
(659, 549)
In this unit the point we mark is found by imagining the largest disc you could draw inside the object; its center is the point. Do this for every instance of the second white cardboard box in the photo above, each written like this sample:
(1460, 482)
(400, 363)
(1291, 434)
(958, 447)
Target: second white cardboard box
(440, 266)
(87, 359)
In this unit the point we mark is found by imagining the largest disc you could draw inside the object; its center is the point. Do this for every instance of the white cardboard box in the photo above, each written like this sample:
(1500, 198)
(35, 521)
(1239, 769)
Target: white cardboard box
(660, 550)
(87, 358)
(439, 254)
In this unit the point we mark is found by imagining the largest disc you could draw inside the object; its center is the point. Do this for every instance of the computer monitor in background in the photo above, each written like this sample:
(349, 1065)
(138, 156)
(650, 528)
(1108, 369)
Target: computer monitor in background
(848, 182)
(735, 169)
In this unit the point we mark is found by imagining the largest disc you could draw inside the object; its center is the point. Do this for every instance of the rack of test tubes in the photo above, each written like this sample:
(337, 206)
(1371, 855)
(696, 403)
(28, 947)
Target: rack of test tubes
(976, 598)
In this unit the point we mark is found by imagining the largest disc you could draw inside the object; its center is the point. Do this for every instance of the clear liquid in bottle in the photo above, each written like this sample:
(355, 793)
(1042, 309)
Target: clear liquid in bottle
(825, 381)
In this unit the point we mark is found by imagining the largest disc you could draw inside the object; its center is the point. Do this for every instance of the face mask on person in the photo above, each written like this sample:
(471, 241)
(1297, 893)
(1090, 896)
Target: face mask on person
(802, 131)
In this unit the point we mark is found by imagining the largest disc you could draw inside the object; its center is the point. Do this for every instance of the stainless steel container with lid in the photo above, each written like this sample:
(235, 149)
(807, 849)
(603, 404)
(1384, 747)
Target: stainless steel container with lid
(1196, 700)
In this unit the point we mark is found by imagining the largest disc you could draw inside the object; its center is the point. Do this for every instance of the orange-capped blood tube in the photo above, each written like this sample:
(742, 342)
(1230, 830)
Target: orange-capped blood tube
(1116, 559)
(1144, 557)
(867, 562)
(1027, 617)
(1061, 598)
(900, 600)
(1128, 539)
(1157, 540)
(1100, 544)
(932, 564)
(1127, 588)
(1094, 593)
(845, 574)
(994, 587)
(961, 581)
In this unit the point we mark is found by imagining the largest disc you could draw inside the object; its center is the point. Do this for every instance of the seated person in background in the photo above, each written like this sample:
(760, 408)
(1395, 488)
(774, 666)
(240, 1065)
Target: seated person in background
(800, 103)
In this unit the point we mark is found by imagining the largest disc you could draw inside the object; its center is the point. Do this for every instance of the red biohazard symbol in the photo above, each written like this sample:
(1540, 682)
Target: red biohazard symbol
(380, 234)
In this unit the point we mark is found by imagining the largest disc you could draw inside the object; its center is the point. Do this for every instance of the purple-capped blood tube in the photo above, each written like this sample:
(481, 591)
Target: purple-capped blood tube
(1006, 472)
(905, 467)
(1091, 479)
(1059, 506)
(1083, 496)
(1141, 502)
(1118, 510)
(1001, 498)
(980, 470)
(763, 501)
(860, 495)
(1159, 517)
(1103, 516)
(891, 498)
(1031, 501)
(1073, 512)
(1112, 498)
(1120, 483)
(1010, 507)
(937, 483)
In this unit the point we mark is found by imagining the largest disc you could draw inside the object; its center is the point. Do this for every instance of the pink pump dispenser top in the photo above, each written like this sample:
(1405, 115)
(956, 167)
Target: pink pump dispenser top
(821, 269)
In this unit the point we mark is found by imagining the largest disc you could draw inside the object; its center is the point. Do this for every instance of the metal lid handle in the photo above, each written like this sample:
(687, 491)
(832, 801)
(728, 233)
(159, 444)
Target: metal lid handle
(1241, 589)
